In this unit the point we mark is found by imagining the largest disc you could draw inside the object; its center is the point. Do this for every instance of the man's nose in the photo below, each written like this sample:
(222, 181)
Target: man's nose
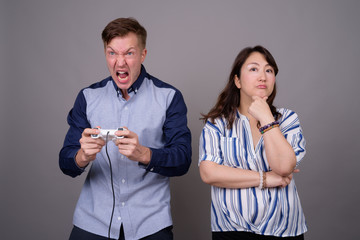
(120, 61)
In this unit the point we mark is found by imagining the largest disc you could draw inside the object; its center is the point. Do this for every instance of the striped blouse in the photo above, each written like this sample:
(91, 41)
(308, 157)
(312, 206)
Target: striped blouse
(272, 211)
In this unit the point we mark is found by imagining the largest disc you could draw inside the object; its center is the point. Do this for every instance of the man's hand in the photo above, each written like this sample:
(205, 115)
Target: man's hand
(89, 147)
(130, 147)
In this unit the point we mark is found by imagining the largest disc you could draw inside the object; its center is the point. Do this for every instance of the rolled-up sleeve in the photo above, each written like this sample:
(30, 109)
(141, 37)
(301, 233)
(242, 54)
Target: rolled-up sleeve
(291, 129)
(209, 144)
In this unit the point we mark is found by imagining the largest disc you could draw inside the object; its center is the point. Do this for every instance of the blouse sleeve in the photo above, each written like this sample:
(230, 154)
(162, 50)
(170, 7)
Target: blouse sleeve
(209, 144)
(291, 129)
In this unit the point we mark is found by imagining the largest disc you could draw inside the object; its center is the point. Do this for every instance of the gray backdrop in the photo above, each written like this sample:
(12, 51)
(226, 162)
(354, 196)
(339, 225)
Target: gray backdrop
(51, 49)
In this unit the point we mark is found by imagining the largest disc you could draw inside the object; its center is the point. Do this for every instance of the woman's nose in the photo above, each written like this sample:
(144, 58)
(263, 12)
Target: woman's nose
(262, 76)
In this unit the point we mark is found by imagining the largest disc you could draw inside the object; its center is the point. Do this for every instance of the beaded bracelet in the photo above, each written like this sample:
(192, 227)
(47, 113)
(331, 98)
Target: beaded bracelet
(262, 184)
(264, 180)
(269, 126)
(261, 180)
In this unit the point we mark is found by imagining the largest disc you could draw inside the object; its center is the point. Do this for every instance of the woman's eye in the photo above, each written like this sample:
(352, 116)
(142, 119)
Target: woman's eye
(253, 69)
(269, 71)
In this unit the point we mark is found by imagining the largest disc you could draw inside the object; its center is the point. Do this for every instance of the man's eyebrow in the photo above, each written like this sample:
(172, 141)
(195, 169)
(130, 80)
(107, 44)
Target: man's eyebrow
(130, 48)
(109, 47)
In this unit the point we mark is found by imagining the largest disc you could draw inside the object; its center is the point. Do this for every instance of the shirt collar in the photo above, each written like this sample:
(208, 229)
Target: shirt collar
(136, 85)
(240, 116)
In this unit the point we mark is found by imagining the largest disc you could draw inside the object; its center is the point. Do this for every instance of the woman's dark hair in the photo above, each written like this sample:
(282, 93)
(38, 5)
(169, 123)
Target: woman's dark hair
(229, 99)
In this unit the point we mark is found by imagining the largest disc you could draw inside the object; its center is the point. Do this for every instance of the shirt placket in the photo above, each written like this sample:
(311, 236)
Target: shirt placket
(123, 183)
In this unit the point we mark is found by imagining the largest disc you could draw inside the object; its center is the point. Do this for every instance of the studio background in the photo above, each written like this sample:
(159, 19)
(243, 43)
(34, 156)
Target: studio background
(51, 49)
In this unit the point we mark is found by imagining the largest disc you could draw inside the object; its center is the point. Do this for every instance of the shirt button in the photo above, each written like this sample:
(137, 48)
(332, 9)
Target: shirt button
(152, 169)
(123, 203)
(123, 181)
(119, 218)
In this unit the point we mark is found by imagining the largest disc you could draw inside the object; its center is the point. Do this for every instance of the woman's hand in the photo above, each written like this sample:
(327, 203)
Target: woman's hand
(260, 110)
(275, 180)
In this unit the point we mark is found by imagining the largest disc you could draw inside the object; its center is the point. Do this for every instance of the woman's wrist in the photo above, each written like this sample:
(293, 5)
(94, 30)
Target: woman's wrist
(268, 127)
(266, 120)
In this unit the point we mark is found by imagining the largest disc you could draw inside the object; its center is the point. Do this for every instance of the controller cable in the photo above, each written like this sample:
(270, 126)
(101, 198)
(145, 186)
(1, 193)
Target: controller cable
(112, 184)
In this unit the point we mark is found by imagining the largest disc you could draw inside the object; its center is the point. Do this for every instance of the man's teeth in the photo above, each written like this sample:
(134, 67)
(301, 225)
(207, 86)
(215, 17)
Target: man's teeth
(122, 75)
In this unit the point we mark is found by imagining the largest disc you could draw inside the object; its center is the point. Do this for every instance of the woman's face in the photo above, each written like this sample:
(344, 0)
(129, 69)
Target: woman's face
(257, 77)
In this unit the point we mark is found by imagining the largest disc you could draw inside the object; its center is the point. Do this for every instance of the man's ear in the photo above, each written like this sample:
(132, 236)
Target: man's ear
(143, 55)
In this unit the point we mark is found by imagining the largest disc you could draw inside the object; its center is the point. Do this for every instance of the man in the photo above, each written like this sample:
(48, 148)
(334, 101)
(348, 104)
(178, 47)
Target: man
(126, 194)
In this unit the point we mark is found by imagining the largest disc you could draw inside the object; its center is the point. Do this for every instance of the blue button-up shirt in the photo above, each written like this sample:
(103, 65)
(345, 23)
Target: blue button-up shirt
(156, 112)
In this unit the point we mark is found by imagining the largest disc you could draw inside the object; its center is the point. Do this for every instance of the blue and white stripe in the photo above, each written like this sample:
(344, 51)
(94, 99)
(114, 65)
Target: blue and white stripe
(273, 211)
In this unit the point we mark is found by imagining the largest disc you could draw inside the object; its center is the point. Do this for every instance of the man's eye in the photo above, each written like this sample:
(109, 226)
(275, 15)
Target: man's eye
(111, 53)
(130, 53)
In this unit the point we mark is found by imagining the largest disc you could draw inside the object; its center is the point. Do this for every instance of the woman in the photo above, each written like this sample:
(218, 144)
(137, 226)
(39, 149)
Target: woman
(248, 153)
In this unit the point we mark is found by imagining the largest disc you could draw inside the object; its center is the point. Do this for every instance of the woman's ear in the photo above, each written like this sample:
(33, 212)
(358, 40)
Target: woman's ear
(237, 81)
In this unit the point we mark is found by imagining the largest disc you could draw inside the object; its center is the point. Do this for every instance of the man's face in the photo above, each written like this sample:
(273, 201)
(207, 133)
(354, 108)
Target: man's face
(124, 57)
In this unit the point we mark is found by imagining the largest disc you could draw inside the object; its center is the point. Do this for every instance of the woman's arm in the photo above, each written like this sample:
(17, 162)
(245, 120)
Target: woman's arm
(228, 177)
(279, 153)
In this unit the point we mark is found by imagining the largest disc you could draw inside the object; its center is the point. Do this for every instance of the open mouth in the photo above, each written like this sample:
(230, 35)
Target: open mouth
(122, 75)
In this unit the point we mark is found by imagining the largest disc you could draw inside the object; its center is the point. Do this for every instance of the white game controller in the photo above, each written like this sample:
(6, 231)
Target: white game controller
(110, 133)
